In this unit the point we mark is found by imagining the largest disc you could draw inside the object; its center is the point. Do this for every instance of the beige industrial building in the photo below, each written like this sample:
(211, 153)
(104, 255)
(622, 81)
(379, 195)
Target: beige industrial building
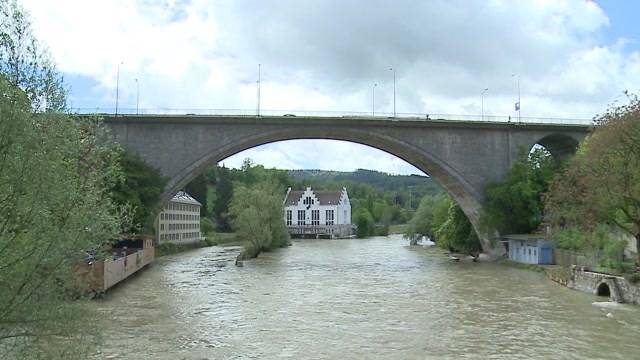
(179, 221)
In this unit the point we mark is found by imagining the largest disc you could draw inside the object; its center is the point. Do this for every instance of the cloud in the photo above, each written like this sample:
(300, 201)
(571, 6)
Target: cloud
(326, 55)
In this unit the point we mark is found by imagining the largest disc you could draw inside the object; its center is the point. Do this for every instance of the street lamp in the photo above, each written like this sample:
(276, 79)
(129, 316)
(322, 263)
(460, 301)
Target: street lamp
(394, 91)
(373, 100)
(118, 85)
(482, 100)
(258, 84)
(137, 97)
(518, 105)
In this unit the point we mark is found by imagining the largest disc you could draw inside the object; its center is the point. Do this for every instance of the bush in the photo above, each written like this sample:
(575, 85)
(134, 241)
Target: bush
(633, 278)
(206, 225)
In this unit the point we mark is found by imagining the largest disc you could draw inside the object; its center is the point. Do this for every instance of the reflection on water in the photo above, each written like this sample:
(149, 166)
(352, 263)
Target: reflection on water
(373, 298)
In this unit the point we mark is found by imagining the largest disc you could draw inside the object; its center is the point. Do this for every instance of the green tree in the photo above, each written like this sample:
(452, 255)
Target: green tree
(601, 183)
(26, 63)
(55, 176)
(365, 225)
(140, 189)
(256, 216)
(224, 193)
(516, 205)
(457, 233)
(431, 214)
(197, 188)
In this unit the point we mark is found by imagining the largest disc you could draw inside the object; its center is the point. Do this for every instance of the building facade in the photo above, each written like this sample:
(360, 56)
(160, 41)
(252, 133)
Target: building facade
(317, 214)
(529, 249)
(179, 220)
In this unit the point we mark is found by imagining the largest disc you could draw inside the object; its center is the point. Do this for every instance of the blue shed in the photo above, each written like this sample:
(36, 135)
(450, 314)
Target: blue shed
(529, 249)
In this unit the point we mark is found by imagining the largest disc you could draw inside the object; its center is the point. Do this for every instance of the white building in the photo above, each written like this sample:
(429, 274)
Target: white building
(179, 221)
(318, 213)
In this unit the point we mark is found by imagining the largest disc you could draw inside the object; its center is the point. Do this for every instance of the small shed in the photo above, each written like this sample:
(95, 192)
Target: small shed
(529, 249)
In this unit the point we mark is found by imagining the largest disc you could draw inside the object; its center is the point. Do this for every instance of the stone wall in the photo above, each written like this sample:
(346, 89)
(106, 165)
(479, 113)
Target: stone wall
(575, 278)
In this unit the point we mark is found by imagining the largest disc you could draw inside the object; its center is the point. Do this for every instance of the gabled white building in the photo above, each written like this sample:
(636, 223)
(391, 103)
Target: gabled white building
(318, 213)
(179, 220)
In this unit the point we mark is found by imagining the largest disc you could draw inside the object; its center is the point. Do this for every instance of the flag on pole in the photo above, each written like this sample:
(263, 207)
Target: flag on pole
(518, 106)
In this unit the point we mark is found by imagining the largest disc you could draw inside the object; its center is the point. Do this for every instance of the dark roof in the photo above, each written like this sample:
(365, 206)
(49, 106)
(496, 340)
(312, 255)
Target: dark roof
(328, 197)
(293, 197)
(324, 197)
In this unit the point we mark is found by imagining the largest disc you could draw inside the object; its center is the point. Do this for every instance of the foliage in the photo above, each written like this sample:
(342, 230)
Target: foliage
(601, 184)
(140, 189)
(55, 173)
(207, 226)
(457, 233)
(633, 278)
(26, 63)
(515, 206)
(431, 214)
(197, 188)
(256, 216)
(224, 193)
(365, 225)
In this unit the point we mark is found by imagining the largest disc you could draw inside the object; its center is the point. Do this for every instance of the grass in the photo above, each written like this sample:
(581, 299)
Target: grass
(397, 228)
(223, 239)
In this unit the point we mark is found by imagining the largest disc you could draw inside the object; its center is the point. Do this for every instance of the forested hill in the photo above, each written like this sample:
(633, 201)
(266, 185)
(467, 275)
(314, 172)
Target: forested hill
(373, 178)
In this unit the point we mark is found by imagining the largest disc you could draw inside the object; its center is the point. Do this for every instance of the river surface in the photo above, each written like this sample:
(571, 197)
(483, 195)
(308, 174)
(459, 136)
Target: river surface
(356, 299)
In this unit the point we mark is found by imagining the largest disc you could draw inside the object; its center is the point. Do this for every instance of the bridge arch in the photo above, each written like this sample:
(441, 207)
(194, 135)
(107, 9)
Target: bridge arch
(449, 178)
(561, 146)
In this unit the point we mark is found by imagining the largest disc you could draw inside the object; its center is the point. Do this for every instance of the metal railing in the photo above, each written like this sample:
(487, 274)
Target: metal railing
(330, 114)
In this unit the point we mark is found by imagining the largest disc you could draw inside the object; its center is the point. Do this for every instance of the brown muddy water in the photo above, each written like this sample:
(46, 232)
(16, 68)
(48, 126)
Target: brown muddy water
(356, 299)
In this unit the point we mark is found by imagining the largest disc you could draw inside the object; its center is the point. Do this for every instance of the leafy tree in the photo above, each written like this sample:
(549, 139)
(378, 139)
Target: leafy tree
(364, 223)
(55, 177)
(457, 233)
(140, 189)
(516, 205)
(601, 184)
(197, 188)
(224, 193)
(256, 215)
(431, 214)
(26, 63)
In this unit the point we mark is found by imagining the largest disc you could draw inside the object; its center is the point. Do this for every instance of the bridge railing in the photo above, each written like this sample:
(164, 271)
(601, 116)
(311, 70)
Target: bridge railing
(333, 114)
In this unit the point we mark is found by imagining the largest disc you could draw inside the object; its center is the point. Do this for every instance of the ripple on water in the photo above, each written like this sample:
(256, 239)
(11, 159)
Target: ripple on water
(374, 298)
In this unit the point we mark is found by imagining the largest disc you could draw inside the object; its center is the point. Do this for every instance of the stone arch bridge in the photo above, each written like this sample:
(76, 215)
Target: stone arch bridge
(463, 156)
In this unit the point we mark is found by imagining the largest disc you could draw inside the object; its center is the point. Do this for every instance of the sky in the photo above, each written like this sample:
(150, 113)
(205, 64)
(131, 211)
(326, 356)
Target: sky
(572, 59)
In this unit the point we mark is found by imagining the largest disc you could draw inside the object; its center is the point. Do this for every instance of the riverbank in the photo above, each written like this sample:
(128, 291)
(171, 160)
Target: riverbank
(212, 239)
(397, 229)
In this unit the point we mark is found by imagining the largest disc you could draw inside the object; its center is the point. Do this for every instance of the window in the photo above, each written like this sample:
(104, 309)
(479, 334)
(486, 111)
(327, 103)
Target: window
(308, 201)
(315, 217)
(161, 226)
(301, 217)
(289, 217)
(329, 217)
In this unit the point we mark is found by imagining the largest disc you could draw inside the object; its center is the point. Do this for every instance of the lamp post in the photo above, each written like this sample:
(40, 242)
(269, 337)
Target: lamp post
(394, 91)
(373, 100)
(137, 97)
(518, 105)
(118, 85)
(258, 83)
(482, 101)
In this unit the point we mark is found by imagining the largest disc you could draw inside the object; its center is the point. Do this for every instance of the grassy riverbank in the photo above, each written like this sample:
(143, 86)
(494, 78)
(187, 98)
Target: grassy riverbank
(398, 228)
(212, 239)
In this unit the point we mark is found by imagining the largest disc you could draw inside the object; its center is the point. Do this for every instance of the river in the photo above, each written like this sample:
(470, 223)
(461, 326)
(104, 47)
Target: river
(362, 299)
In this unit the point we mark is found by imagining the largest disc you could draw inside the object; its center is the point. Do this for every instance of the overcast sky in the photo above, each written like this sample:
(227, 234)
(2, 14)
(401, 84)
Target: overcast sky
(572, 57)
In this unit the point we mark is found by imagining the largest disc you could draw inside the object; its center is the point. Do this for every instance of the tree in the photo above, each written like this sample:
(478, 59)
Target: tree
(27, 64)
(140, 189)
(431, 214)
(55, 177)
(601, 184)
(364, 223)
(224, 193)
(256, 216)
(197, 188)
(457, 233)
(516, 205)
